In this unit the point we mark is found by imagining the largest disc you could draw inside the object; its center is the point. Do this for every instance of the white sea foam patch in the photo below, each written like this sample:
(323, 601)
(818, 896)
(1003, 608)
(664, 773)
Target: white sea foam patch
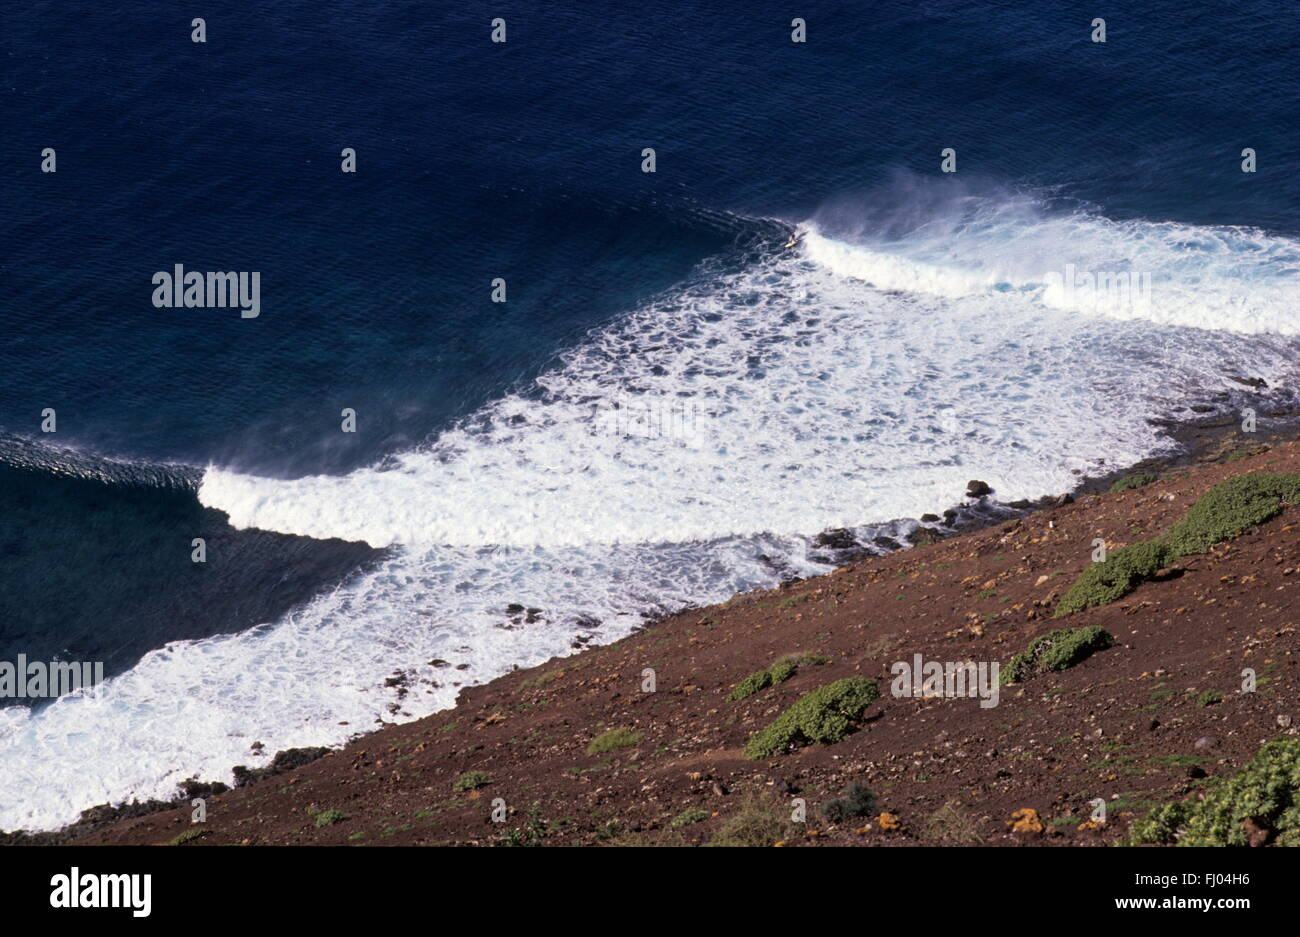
(819, 402)
(1221, 278)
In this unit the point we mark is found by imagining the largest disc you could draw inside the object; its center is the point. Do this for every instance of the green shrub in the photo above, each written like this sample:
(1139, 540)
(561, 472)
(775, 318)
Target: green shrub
(759, 680)
(857, 801)
(1161, 825)
(1225, 511)
(1266, 792)
(757, 823)
(1116, 576)
(1057, 650)
(329, 817)
(1128, 482)
(690, 815)
(781, 670)
(613, 740)
(472, 780)
(532, 833)
(823, 716)
(1210, 697)
(182, 838)
(1231, 508)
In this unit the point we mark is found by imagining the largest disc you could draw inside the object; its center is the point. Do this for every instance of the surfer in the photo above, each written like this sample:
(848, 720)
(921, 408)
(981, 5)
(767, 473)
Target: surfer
(794, 239)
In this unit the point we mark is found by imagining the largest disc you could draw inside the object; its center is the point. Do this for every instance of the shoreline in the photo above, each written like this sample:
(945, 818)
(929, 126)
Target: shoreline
(1207, 439)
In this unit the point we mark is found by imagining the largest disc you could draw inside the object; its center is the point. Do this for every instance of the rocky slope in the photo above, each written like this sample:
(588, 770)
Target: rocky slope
(582, 750)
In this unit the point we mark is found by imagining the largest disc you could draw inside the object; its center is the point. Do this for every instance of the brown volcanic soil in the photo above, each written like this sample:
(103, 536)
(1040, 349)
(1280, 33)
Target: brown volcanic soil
(1122, 725)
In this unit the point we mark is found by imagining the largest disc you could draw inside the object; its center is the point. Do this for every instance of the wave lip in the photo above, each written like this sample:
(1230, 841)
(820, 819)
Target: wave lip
(1231, 279)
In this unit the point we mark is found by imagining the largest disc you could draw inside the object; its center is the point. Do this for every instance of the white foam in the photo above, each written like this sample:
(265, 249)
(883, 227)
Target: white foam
(196, 707)
(1225, 278)
(808, 397)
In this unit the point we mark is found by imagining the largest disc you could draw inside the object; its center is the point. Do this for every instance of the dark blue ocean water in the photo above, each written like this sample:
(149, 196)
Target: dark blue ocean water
(478, 160)
(522, 160)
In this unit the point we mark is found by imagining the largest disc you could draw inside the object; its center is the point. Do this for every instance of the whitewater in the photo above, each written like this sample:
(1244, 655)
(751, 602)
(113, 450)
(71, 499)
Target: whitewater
(686, 451)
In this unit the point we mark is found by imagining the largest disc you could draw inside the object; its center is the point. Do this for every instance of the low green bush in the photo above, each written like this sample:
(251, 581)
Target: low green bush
(781, 670)
(823, 716)
(1056, 650)
(1265, 794)
(1231, 508)
(857, 801)
(613, 740)
(1138, 480)
(757, 823)
(760, 680)
(688, 816)
(1116, 576)
(329, 817)
(1227, 510)
(471, 780)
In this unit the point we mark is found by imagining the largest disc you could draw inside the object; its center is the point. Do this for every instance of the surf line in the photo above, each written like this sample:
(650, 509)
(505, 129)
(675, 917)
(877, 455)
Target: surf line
(215, 290)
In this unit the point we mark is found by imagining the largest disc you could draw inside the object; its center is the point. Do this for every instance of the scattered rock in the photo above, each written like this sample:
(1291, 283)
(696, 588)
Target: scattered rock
(193, 787)
(838, 539)
(283, 761)
(923, 535)
(1256, 382)
(1025, 820)
(977, 489)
